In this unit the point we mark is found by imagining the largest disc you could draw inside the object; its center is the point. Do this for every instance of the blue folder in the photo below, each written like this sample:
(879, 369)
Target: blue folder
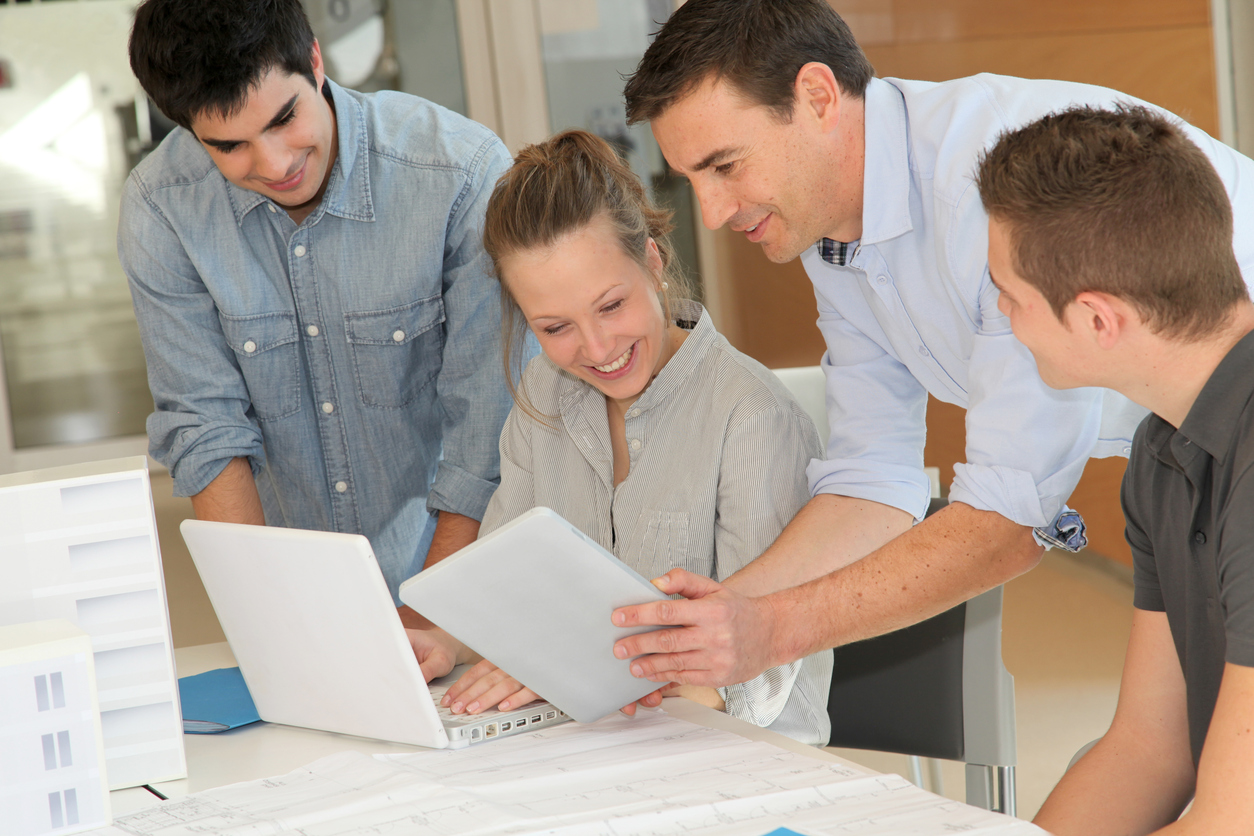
(215, 701)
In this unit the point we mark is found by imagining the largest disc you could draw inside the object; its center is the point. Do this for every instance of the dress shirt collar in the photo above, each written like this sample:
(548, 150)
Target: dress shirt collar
(886, 166)
(348, 192)
(579, 395)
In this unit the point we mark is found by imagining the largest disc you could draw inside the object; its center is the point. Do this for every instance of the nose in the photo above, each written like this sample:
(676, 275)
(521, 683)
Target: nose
(272, 160)
(597, 346)
(716, 204)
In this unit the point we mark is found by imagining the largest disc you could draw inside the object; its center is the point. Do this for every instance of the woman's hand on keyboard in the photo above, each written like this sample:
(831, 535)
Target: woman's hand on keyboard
(484, 686)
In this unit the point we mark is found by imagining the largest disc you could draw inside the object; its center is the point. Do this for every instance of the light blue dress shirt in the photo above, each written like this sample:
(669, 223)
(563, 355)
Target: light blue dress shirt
(914, 312)
(354, 358)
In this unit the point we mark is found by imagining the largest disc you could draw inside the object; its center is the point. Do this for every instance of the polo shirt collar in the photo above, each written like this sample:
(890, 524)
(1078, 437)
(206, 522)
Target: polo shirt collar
(348, 193)
(1213, 418)
(886, 164)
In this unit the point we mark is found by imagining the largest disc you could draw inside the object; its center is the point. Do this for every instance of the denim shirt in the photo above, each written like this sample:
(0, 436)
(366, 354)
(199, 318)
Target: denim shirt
(355, 357)
(913, 311)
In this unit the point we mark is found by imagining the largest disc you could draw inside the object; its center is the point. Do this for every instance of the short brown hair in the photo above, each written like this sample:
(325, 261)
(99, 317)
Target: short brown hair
(758, 46)
(558, 187)
(1117, 201)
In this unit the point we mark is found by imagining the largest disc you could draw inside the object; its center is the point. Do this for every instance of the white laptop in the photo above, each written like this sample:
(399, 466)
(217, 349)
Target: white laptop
(314, 630)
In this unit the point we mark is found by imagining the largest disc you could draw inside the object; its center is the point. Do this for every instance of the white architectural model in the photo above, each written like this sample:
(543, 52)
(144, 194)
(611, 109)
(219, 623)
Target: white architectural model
(80, 543)
(52, 777)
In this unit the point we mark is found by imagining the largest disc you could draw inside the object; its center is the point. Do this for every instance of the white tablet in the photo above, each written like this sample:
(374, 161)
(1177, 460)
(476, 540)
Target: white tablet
(535, 597)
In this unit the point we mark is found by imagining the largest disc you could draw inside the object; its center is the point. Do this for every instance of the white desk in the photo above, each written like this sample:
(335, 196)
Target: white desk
(264, 749)
(831, 798)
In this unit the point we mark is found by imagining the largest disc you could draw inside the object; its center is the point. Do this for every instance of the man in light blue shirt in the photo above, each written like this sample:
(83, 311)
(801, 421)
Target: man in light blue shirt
(320, 325)
(770, 109)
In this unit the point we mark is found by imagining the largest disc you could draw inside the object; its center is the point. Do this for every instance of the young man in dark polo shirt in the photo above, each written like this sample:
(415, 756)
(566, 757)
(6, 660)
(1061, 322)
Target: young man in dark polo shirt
(1110, 238)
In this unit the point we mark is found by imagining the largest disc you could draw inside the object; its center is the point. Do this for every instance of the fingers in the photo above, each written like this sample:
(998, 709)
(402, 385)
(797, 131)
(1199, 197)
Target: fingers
(676, 581)
(484, 686)
(517, 699)
(468, 680)
(651, 700)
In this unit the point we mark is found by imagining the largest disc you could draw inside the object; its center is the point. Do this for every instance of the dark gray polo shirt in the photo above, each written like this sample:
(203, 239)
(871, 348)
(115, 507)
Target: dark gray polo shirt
(1188, 497)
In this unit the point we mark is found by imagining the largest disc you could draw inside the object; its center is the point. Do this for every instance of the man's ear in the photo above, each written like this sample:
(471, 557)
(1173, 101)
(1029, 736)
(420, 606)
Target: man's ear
(1104, 317)
(319, 70)
(817, 93)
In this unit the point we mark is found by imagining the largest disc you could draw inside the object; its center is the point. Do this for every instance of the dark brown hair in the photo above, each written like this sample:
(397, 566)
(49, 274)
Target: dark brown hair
(758, 46)
(558, 187)
(198, 56)
(1118, 201)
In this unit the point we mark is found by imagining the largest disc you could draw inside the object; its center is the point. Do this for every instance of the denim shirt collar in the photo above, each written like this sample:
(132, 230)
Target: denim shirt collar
(348, 193)
(886, 165)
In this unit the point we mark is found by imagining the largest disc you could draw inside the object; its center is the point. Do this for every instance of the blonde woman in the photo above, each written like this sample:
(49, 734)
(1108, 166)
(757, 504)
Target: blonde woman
(639, 423)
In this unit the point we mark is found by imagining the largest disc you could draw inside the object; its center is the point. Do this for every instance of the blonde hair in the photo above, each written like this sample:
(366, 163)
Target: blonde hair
(557, 187)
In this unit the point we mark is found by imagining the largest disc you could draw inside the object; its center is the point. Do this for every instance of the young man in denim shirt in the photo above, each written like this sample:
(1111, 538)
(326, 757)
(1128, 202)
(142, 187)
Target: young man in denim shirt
(321, 329)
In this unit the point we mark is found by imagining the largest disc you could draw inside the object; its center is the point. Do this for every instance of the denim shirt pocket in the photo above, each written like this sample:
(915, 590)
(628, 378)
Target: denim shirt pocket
(266, 347)
(665, 544)
(396, 352)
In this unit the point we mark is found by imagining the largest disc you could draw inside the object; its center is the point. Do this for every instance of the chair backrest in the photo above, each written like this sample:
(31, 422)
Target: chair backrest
(936, 689)
(808, 385)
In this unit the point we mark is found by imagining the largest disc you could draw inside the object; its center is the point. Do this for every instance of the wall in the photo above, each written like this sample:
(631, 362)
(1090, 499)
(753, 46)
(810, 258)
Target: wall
(1157, 50)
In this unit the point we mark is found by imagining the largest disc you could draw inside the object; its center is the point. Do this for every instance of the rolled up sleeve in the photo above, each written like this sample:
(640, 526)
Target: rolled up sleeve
(203, 416)
(471, 384)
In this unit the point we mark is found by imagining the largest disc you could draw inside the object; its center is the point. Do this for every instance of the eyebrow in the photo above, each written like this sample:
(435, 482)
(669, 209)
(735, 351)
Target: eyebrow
(713, 159)
(278, 117)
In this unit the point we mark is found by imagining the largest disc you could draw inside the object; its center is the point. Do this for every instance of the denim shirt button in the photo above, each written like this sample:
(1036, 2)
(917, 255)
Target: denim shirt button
(312, 330)
(340, 487)
(300, 250)
(328, 407)
(398, 335)
(250, 346)
(270, 206)
(635, 444)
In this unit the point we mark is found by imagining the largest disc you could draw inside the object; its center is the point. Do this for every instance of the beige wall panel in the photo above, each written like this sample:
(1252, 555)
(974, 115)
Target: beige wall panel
(1097, 500)
(1170, 67)
(776, 317)
(888, 21)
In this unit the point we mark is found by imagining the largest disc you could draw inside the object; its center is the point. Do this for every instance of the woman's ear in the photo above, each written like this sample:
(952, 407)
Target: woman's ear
(653, 257)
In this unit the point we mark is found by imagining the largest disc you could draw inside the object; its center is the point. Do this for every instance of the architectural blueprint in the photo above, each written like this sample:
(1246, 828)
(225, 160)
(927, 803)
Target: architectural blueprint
(652, 774)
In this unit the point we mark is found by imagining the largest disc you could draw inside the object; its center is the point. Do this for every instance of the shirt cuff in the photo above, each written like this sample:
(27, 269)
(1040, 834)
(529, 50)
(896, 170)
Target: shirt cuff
(197, 458)
(762, 699)
(459, 492)
(898, 486)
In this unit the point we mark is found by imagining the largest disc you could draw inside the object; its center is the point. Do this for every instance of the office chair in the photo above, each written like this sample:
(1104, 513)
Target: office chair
(937, 689)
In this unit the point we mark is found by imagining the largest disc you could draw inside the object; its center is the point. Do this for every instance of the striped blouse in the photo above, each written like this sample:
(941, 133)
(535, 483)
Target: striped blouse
(718, 451)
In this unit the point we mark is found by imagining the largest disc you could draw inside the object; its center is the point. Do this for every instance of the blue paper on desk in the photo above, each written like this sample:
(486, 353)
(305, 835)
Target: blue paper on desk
(215, 701)
(783, 831)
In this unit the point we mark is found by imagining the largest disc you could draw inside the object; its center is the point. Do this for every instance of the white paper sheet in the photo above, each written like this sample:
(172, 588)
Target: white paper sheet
(652, 774)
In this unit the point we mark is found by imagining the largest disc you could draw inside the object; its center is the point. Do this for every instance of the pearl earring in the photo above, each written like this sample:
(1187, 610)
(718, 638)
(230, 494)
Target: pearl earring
(665, 285)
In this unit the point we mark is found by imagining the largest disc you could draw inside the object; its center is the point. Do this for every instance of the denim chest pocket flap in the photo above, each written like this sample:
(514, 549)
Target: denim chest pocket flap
(396, 352)
(266, 348)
